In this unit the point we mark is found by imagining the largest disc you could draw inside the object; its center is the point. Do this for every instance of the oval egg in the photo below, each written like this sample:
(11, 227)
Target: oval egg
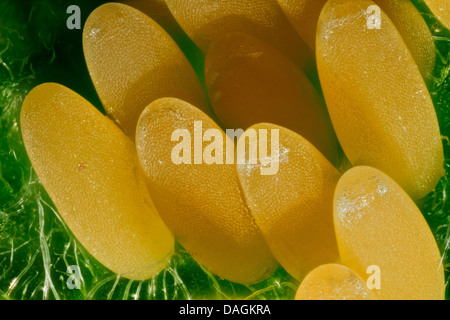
(133, 61)
(249, 82)
(289, 191)
(333, 282)
(377, 224)
(202, 203)
(204, 21)
(90, 169)
(379, 104)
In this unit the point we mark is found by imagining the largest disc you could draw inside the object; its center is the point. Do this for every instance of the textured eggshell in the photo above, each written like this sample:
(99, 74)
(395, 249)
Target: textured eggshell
(377, 224)
(414, 31)
(334, 282)
(303, 15)
(249, 82)
(293, 208)
(206, 20)
(133, 61)
(441, 9)
(202, 204)
(159, 12)
(379, 104)
(90, 170)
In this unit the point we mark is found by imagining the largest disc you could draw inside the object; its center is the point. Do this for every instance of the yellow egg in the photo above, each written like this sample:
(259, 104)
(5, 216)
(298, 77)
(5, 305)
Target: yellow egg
(414, 31)
(378, 225)
(206, 20)
(379, 104)
(133, 61)
(250, 82)
(91, 172)
(440, 8)
(293, 204)
(160, 13)
(200, 201)
(333, 282)
(303, 15)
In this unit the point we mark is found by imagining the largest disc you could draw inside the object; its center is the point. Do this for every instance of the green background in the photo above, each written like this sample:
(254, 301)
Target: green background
(35, 245)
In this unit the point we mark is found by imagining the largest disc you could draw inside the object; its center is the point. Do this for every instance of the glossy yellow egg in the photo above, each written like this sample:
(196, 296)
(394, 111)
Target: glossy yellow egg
(133, 61)
(292, 204)
(160, 13)
(379, 104)
(90, 170)
(303, 14)
(204, 21)
(202, 203)
(378, 225)
(250, 82)
(333, 282)
(414, 31)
